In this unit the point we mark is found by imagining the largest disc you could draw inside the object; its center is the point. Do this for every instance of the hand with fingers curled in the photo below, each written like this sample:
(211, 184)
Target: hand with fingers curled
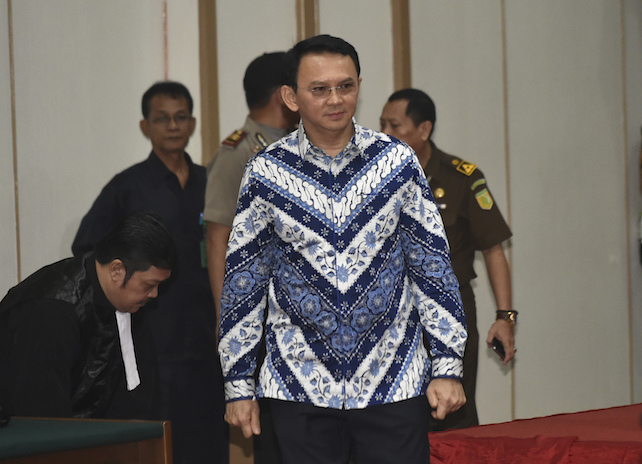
(245, 415)
(504, 332)
(445, 396)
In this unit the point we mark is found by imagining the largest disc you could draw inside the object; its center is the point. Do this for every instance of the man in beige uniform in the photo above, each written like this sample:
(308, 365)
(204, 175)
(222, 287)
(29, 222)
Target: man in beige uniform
(268, 121)
(473, 223)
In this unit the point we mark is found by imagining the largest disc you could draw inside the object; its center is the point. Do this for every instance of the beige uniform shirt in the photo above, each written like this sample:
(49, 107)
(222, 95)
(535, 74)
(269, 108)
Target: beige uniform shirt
(225, 170)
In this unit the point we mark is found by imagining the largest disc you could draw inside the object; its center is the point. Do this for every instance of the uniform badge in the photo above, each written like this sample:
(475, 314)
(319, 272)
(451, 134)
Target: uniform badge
(234, 138)
(261, 140)
(478, 183)
(484, 199)
(439, 193)
(465, 167)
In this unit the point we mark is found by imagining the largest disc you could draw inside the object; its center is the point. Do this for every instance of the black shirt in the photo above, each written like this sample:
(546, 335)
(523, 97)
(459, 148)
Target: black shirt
(183, 315)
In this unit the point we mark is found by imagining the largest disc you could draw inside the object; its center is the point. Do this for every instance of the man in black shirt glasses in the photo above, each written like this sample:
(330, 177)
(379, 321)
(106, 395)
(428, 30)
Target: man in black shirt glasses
(183, 320)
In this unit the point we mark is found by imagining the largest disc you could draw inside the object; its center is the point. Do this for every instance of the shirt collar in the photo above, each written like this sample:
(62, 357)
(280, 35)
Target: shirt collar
(273, 133)
(354, 146)
(433, 166)
(159, 171)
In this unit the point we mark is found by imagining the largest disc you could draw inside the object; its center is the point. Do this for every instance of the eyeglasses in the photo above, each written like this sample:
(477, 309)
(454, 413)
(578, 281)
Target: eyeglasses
(321, 91)
(179, 119)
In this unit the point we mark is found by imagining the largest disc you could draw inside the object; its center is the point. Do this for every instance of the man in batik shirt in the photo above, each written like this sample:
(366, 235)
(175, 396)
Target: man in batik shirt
(338, 246)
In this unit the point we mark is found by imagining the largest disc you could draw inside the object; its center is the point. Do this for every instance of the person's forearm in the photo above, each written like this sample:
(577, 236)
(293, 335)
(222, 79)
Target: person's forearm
(499, 276)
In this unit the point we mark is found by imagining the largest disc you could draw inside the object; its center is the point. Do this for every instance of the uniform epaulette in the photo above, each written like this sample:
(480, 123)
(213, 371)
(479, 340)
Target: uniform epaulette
(464, 166)
(234, 138)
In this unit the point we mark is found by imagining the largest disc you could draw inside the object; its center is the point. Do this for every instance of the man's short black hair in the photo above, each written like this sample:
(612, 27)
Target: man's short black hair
(263, 76)
(140, 241)
(420, 106)
(317, 45)
(172, 89)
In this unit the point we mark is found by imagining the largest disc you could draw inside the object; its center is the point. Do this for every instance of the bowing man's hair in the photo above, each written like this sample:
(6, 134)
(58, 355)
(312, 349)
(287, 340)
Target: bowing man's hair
(140, 241)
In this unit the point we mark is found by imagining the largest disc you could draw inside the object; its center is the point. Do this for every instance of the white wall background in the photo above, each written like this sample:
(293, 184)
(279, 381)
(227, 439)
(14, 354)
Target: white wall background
(8, 249)
(246, 29)
(558, 140)
(633, 127)
(569, 202)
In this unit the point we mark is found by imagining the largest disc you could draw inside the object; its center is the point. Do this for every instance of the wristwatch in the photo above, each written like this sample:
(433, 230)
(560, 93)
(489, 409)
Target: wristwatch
(507, 315)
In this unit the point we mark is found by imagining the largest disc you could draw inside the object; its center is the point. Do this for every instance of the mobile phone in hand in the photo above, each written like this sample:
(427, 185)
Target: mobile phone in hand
(499, 348)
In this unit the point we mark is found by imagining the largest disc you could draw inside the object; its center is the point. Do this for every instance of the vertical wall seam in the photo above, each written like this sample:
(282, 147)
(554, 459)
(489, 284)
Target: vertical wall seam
(14, 140)
(508, 173)
(208, 67)
(307, 19)
(165, 43)
(401, 54)
(627, 197)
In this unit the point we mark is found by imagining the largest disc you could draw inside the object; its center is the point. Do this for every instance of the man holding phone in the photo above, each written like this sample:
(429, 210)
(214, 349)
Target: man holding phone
(473, 223)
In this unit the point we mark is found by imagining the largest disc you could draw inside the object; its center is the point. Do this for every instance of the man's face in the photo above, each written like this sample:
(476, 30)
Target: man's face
(395, 122)
(322, 114)
(169, 124)
(139, 290)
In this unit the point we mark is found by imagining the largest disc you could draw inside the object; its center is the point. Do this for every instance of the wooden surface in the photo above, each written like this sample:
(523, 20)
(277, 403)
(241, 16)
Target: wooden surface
(76, 441)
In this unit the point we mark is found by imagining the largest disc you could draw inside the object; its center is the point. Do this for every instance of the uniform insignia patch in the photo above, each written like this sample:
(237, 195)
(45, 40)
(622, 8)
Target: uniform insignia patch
(466, 167)
(484, 199)
(261, 140)
(477, 183)
(234, 138)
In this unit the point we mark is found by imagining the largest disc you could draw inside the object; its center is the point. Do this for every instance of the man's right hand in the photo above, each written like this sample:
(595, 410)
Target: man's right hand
(244, 414)
(445, 396)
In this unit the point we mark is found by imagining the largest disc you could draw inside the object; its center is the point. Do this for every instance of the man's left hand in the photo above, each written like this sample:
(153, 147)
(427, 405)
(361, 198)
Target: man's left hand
(445, 396)
(503, 331)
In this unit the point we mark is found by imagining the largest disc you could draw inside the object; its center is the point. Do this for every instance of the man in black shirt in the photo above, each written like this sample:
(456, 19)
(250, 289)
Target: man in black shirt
(183, 320)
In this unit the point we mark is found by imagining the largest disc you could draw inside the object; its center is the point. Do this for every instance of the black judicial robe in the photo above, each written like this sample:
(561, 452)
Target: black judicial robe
(60, 351)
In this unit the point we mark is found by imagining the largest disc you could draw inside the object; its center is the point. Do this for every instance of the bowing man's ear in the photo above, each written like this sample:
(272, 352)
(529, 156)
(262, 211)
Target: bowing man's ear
(117, 271)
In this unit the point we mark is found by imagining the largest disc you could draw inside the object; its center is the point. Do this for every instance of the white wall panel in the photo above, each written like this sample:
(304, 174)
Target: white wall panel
(457, 59)
(183, 60)
(8, 250)
(245, 30)
(633, 71)
(568, 198)
(81, 69)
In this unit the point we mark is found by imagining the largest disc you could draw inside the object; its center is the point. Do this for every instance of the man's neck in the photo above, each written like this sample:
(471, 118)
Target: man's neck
(425, 155)
(269, 116)
(177, 163)
(332, 143)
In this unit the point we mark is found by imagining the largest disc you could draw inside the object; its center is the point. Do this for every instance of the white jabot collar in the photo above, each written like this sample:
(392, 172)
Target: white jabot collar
(124, 321)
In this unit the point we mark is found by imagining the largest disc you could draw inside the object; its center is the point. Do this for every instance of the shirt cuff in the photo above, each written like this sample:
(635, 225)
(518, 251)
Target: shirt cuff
(447, 367)
(240, 389)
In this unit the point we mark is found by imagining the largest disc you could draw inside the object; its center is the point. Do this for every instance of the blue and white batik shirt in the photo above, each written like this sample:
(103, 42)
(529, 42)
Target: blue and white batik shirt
(346, 260)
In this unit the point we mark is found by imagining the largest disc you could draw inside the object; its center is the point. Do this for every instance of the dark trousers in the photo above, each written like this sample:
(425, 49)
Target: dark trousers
(193, 399)
(384, 434)
(266, 446)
